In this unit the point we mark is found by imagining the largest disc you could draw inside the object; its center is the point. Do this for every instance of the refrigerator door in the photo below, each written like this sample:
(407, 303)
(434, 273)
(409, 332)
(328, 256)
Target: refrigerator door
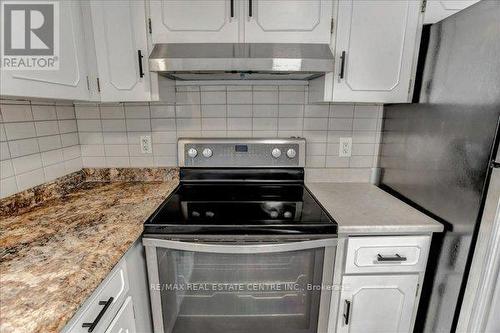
(481, 303)
(436, 153)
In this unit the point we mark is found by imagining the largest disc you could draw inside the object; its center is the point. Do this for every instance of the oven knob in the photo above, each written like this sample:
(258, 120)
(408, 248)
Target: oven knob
(207, 152)
(287, 215)
(192, 152)
(276, 153)
(273, 214)
(209, 214)
(291, 153)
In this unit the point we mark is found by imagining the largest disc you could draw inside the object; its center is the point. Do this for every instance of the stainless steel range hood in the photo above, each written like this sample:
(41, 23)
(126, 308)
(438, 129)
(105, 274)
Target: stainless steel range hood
(228, 61)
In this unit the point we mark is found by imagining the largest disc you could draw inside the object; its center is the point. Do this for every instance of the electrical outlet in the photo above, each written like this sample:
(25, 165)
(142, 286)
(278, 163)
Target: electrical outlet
(146, 147)
(345, 147)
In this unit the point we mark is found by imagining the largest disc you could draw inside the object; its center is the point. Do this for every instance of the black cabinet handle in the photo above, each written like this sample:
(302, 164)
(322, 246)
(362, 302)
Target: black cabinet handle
(342, 65)
(396, 257)
(232, 8)
(93, 324)
(141, 70)
(347, 312)
(250, 8)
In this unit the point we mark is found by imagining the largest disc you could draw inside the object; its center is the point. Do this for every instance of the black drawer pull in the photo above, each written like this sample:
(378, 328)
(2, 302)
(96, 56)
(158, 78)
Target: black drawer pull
(396, 257)
(342, 65)
(347, 311)
(93, 324)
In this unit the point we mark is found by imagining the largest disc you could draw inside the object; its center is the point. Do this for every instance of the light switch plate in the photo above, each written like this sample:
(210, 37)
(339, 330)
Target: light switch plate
(146, 147)
(345, 147)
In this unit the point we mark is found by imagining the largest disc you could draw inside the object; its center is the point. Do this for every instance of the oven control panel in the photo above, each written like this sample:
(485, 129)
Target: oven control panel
(225, 152)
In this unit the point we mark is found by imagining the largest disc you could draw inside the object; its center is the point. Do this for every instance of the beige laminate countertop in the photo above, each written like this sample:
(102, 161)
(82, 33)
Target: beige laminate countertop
(366, 209)
(53, 256)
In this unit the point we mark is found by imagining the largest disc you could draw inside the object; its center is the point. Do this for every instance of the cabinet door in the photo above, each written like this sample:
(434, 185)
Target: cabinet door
(288, 21)
(194, 21)
(124, 322)
(376, 45)
(120, 34)
(437, 10)
(383, 303)
(70, 80)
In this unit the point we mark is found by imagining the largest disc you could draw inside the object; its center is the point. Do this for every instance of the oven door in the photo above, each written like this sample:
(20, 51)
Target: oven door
(243, 288)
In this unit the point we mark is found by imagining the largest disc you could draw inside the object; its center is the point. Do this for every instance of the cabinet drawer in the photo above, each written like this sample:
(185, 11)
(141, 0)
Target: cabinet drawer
(387, 254)
(124, 320)
(116, 287)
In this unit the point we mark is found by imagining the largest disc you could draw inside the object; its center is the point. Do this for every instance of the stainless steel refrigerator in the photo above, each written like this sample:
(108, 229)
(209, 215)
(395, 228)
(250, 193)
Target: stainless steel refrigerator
(437, 152)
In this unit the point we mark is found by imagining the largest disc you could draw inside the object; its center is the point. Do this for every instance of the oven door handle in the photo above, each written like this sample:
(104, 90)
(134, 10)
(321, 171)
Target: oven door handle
(237, 248)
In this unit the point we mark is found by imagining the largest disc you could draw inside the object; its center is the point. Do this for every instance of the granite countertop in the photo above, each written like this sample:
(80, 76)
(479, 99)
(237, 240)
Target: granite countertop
(366, 209)
(55, 252)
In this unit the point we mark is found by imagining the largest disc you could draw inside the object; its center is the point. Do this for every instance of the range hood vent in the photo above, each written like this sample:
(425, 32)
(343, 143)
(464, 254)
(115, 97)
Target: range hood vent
(229, 61)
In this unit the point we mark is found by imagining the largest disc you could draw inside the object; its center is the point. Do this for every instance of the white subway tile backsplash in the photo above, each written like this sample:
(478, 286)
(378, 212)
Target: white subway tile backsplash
(67, 139)
(26, 163)
(90, 138)
(67, 126)
(291, 97)
(44, 112)
(46, 143)
(239, 97)
(265, 97)
(138, 125)
(244, 110)
(162, 111)
(113, 125)
(15, 113)
(30, 179)
(290, 124)
(87, 111)
(213, 110)
(89, 125)
(265, 124)
(291, 111)
(312, 124)
(65, 112)
(239, 124)
(213, 97)
(213, 124)
(108, 135)
(8, 186)
(6, 169)
(112, 112)
(265, 110)
(187, 111)
(341, 110)
(162, 125)
(17, 131)
(137, 111)
(23, 147)
(52, 157)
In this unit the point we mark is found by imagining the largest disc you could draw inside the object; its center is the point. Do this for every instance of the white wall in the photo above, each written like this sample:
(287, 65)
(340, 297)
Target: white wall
(38, 143)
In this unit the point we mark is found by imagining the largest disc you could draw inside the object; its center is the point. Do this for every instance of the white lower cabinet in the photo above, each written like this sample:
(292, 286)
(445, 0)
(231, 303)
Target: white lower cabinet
(124, 322)
(377, 303)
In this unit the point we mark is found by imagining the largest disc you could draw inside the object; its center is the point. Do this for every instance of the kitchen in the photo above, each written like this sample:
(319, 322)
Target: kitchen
(250, 165)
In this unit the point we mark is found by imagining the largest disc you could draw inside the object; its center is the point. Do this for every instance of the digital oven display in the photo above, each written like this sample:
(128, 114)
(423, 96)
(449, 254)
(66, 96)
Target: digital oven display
(241, 148)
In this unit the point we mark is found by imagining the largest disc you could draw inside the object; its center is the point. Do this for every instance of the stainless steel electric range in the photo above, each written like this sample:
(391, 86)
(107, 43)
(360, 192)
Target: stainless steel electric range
(241, 245)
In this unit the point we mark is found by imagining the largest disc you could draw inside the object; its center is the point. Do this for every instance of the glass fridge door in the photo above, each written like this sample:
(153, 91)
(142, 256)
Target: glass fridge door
(243, 288)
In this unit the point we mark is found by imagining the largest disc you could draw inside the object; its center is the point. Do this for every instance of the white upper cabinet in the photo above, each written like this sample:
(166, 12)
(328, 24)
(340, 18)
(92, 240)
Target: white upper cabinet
(437, 10)
(377, 303)
(288, 21)
(194, 21)
(120, 38)
(70, 80)
(376, 46)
